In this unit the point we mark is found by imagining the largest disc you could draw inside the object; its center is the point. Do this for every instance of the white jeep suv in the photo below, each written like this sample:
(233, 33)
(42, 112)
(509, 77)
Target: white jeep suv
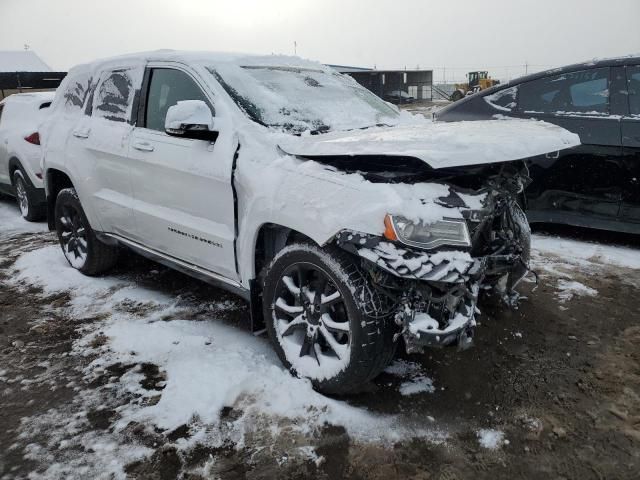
(347, 224)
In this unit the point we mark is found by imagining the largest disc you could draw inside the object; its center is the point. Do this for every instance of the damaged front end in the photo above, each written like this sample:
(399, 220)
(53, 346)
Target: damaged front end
(432, 293)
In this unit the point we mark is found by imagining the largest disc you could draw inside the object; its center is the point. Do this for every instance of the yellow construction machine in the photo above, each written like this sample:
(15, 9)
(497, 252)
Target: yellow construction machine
(477, 81)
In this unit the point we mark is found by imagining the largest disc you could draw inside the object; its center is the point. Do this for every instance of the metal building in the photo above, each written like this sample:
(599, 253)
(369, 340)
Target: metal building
(24, 71)
(386, 83)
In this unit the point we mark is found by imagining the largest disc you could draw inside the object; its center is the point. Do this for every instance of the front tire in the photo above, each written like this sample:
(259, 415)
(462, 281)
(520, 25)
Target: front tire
(457, 95)
(29, 209)
(82, 249)
(315, 302)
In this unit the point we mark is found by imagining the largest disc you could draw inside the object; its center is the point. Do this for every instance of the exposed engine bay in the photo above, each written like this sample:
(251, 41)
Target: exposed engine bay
(432, 294)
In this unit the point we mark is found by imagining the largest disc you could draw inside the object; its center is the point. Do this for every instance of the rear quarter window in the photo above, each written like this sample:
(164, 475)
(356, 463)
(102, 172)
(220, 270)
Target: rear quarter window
(75, 93)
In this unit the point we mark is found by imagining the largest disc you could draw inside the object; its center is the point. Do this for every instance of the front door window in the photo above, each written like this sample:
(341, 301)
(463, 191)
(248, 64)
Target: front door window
(166, 88)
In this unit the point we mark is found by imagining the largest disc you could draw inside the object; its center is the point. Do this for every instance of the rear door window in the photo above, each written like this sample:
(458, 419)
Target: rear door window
(114, 96)
(167, 87)
(633, 87)
(583, 92)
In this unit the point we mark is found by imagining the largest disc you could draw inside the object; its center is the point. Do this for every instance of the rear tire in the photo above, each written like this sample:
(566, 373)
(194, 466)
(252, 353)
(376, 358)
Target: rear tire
(29, 209)
(321, 331)
(82, 249)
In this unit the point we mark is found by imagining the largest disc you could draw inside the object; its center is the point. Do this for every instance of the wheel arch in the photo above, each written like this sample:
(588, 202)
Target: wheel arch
(16, 164)
(269, 239)
(55, 180)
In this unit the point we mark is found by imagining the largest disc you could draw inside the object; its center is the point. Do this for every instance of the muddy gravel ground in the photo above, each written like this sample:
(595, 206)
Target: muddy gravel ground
(556, 384)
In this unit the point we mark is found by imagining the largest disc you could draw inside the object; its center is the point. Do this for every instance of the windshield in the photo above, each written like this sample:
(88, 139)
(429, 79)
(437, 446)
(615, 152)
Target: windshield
(300, 100)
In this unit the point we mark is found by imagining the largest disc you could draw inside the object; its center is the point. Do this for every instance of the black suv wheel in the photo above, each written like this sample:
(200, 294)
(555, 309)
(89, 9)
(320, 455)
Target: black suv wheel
(79, 243)
(314, 306)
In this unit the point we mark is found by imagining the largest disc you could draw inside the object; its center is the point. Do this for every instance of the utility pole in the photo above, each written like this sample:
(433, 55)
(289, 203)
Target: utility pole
(295, 47)
(526, 67)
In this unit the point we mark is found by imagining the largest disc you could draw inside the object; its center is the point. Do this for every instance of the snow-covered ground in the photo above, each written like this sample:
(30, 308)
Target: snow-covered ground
(206, 366)
(12, 222)
(580, 253)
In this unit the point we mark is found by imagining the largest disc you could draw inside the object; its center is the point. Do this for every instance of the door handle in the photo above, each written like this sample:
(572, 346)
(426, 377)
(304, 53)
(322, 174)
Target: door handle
(84, 133)
(144, 146)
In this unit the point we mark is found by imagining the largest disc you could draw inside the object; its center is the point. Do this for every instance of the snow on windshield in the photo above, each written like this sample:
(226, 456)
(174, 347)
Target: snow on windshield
(302, 99)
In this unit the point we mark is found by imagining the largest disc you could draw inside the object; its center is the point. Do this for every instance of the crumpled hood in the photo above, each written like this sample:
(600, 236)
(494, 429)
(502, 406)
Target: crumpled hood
(442, 145)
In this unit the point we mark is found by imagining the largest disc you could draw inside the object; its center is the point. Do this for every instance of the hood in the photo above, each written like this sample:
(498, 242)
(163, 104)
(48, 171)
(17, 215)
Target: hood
(441, 145)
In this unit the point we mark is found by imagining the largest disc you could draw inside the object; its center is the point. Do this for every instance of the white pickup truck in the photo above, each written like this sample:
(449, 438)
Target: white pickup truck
(347, 224)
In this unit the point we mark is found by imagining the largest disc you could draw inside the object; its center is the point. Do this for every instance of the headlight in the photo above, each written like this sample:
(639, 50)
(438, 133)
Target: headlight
(448, 231)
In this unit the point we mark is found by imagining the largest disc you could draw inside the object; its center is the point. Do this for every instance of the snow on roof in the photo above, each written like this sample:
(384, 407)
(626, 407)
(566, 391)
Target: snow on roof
(203, 58)
(21, 61)
(348, 69)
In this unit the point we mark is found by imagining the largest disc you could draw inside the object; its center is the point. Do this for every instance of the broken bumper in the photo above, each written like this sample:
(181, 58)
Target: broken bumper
(460, 335)
(435, 293)
(445, 266)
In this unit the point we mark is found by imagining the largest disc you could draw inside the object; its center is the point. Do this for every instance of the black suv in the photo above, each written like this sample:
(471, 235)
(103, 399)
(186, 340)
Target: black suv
(597, 184)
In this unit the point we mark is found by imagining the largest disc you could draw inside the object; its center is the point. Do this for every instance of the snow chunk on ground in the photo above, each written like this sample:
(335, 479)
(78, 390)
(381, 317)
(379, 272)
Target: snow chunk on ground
(418, 383)
(491, 439)
(569, 289)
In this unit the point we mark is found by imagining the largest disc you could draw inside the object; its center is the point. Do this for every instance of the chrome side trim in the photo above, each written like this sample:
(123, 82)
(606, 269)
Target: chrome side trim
(187, 268)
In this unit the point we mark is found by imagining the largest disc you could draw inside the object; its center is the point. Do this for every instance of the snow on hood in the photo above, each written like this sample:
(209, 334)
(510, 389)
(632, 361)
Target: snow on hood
(442, 145)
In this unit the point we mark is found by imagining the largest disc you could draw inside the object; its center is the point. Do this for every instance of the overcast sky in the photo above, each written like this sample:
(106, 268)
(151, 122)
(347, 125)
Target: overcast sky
(461, 35)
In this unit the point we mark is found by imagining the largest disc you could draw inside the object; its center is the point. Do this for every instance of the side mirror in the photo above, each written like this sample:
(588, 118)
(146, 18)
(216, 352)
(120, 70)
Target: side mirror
(190, 119)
